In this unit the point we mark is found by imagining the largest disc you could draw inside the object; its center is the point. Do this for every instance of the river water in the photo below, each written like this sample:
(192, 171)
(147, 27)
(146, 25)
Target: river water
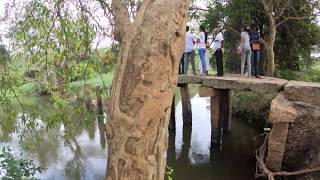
(72, 150)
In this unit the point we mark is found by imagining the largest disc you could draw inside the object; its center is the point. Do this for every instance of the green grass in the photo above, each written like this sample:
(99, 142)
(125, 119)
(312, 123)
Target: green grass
(313, 74)
(104, 80)
(76, 87)
(308, 74)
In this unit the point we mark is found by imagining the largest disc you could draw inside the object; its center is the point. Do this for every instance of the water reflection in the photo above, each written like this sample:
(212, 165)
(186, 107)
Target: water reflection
(76, 147)
(192, 157)
(67, 145)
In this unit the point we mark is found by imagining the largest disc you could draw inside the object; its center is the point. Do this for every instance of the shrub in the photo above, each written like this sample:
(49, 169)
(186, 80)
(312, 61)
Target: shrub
(286, 74)
(253, 107)
(14, 168)
(82, 71)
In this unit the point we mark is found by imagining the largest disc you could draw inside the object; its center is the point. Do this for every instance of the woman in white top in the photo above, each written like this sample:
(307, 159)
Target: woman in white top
(202, 39)
(245, 51)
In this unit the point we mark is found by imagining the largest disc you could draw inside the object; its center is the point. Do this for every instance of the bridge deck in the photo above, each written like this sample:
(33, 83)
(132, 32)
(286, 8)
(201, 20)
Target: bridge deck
(236, 82)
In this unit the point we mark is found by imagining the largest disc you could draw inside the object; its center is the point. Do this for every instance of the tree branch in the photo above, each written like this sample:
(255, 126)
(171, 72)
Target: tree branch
(232, 29)
(192, 8)
(121, 19)
(291, 18)
(268, 10)
(283, 9)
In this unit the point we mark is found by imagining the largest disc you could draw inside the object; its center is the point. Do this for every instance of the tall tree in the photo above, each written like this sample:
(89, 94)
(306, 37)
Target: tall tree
(279, 13)
(143, 88)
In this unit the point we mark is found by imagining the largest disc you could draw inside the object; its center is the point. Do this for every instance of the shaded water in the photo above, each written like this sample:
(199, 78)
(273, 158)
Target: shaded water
(192, 157)
(79, 151)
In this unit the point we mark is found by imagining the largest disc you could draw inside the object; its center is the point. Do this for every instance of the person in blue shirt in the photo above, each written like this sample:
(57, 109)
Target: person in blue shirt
(255, 47)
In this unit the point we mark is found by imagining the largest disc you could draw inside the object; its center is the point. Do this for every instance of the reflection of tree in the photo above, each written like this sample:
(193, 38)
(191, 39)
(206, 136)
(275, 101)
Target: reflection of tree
(182, 163)
(184, 157)
(44, 143)
(74, 167)
(7, 121)
(102, 132)
(171, 152)
(91, 129)
(46, 127)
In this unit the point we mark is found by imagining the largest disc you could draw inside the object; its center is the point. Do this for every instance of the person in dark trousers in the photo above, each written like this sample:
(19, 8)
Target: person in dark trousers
(217, 46)
(181, 65)
(255, 47)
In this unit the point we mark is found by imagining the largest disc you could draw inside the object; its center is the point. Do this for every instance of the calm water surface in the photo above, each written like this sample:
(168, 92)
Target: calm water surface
(192, 157)
(79, 152)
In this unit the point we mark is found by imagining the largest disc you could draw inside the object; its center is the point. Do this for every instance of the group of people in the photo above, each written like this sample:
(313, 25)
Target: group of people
(248, 49)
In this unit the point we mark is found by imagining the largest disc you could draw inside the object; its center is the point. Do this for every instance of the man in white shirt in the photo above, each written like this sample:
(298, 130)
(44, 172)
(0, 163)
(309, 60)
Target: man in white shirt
(189, 51)
(217, 46)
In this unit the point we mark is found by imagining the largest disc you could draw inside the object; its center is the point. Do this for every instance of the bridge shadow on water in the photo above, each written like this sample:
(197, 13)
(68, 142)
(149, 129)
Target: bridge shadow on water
(192, 157)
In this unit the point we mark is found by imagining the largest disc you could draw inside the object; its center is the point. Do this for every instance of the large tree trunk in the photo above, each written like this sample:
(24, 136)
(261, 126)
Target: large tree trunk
(270, 40)
(142, 91)
(271, 36)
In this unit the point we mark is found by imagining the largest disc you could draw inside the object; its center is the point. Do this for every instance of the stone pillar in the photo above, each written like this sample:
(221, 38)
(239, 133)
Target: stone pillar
(172, 123)
(276, 146)
(282, 113)
(226, 109)
(214, 104)
(186, 104)
(221, 111)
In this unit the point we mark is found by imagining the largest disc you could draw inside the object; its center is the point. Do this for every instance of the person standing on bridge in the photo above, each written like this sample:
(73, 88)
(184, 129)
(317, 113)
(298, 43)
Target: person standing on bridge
(189, 51)
(255, 48)
(245, 51)
(217, 46)
(202, 47)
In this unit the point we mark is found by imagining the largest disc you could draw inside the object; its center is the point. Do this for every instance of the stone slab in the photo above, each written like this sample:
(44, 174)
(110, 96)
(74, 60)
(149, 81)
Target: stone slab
(282, 110)
(207, 91)
(303, 91)
(236, 82)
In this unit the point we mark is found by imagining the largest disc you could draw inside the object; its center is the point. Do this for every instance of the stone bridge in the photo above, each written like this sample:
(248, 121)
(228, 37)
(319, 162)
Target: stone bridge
(294, 115)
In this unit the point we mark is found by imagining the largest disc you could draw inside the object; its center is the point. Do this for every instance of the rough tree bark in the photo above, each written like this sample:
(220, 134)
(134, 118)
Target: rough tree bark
(121, 19)
(143, 88)
(270, 40)
(270, 37)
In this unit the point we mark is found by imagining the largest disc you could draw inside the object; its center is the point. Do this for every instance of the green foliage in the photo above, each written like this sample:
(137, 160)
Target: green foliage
(253, 107)
(294, 42)
(169, 173)
(310, 74)
(53, 39)
(82, 71)
(108, 59)
(4, 54)
(13, 167)
(286, 74)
